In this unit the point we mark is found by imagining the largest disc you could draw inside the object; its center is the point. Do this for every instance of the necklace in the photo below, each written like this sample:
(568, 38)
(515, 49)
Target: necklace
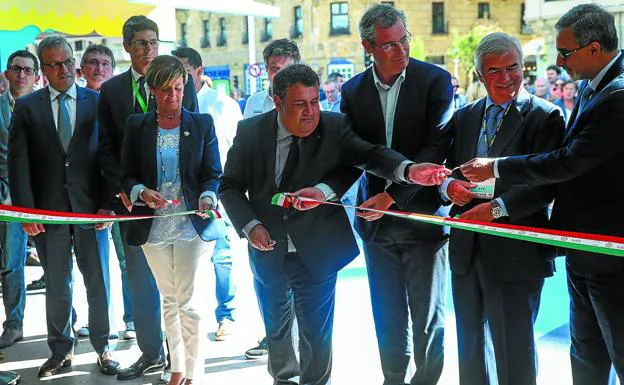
(169, 116)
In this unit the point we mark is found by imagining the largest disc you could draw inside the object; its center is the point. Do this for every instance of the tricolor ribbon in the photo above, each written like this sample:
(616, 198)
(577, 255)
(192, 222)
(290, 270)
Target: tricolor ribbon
(603, 244)
(26, 215)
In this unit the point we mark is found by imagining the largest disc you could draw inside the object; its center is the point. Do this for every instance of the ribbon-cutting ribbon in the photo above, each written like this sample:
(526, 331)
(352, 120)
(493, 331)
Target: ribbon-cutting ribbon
(603, 244)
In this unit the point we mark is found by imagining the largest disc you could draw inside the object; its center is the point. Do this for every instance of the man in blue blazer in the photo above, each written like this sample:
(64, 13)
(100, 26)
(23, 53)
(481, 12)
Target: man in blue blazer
(54, 165)
(401, 103)
(120, 97)
(590, 158)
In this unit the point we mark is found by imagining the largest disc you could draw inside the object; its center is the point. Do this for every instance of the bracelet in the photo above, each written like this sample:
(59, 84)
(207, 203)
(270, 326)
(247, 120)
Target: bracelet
(141, 193)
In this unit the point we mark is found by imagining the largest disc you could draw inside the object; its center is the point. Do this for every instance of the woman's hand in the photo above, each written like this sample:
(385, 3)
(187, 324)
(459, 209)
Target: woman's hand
(153, 199)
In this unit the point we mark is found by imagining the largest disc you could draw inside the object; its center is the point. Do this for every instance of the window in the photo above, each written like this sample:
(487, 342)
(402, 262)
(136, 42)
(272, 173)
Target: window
(437, 19)
(390, 3)
(205, 41)
(245, 36)
(439, 60)
(297, 28)
(222, 39)
(339, 24)
(483, 11)
(78, 44)
(267, 33)
(183, 42)
(525, 28)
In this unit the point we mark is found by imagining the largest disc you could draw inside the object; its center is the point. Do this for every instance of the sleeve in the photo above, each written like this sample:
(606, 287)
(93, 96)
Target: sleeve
(211, 162)
(107, 142)
(131, 155)
(18, 158)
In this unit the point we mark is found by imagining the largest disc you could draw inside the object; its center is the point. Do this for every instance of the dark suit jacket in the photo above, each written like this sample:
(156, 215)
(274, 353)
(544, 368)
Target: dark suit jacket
(322, 236)
(116, 104)
(5, 120)
(200, 168)
(586, 171)
(42, 175)
(424, 105)
(532, 126)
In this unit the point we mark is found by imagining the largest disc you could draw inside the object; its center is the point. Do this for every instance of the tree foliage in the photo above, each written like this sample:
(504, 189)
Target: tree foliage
(464, 46)
(417, 48)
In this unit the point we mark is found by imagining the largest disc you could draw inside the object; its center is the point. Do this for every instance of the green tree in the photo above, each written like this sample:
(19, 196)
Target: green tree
(464, 46)
(417, 48)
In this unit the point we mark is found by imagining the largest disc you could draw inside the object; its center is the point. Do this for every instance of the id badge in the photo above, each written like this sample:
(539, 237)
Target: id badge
(485, 189)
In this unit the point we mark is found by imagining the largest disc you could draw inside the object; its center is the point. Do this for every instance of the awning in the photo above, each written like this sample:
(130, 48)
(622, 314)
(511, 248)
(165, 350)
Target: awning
(232, 7)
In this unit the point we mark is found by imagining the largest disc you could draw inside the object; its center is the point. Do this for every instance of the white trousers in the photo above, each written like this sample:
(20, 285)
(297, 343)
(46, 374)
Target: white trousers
(178, 269)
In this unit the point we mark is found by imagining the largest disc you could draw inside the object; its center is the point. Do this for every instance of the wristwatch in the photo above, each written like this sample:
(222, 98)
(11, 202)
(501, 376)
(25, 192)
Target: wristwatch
(497, 210)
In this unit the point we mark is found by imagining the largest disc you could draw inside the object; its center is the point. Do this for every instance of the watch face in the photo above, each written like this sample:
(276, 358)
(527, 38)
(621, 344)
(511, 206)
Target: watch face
(497, 212)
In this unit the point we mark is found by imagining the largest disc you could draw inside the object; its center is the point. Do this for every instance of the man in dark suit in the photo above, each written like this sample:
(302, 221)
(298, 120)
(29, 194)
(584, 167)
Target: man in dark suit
(295, 255)
(53, 165)
(120, 97)
(401, 103)
(592, 153)
(497, 281)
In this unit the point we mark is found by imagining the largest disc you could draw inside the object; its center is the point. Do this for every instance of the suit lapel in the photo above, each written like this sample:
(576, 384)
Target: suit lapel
(511, 123)
(268, 140)
(150, 138)
(126, 94)
(405, 100)
(373, 105)
(472, 131)
(309, 146)
(81, 106)
(48, 117)
(186, 137)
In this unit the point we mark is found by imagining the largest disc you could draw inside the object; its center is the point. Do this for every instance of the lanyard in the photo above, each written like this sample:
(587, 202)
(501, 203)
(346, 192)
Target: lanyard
(488, 143)
(139, 98)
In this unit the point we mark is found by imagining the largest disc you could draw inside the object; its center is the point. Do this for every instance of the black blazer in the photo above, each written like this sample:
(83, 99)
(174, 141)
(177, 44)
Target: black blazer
(116, 104)
(42, 175)
(424, 105)
(586, 171)
(532, 126)
(322, 236)
(200, 168)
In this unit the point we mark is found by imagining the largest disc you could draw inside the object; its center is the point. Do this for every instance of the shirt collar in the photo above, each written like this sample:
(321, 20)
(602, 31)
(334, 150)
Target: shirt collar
(135, 74)
(595, 82)
(11, 98)
(282, 132)
(380, 84)
(71, 92)
(522, 94)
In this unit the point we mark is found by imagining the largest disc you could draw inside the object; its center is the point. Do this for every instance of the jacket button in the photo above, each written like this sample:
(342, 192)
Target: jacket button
(285, 217)
(66, 164)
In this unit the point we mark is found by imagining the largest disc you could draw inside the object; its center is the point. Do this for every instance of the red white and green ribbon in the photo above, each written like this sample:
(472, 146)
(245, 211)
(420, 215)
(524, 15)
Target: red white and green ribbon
(26, 215)
(603, 244)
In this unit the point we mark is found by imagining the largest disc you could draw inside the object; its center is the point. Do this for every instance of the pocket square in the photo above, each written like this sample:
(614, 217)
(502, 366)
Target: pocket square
(186, 133)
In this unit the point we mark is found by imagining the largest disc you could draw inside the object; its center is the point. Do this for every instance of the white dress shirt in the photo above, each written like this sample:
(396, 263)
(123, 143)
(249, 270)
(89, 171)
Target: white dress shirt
(258, 103)
(70, 103)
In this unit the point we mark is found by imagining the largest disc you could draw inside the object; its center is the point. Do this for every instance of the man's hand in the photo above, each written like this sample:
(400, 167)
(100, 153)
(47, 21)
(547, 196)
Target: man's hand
(308, 192)
(381, 201)
(33, 229)
(481, 212)
(459, 193)
(153, 199)
(126, 202)
(260, 239)
(103, 225)
(204, 204)
(478, 169)
(427, 174)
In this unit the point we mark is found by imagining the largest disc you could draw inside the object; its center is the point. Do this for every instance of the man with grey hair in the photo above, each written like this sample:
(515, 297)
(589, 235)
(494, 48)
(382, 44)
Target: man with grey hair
(277, 55)
(401, 103)
(54, 165)
(592, 153)
(497, 282)
(332, 102)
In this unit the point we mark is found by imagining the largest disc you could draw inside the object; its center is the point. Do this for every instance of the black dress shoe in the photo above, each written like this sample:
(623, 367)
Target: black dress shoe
(38, 284)
(107, 365)
(141, 367)
(53, 366)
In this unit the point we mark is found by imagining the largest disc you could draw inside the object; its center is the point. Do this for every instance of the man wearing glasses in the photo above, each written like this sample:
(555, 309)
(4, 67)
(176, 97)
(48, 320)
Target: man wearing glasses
(401, 103)
(97, 65)
(53, 165)
(592, 153)
(120, 97)
(22, 73)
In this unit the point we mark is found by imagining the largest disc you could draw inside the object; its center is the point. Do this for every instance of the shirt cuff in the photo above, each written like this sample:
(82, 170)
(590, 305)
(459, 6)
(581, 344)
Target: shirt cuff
(249, 226)
(502, 206)
(327, 191)
(134, 194)
(399, 172)
(443, 189)
(211, 195)
(495, 167)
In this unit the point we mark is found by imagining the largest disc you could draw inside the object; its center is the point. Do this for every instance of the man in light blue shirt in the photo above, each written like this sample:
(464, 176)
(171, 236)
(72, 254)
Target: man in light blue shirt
(332, 102)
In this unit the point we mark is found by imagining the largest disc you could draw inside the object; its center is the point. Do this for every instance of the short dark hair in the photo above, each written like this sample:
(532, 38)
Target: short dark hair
(97, 48)
(293, 74)
(565, 83)
(334, 76)
(590, 22)
(136, 24)
(52, 41)
(26, 55)
(193, 57)
(282, 47)
(554, 68)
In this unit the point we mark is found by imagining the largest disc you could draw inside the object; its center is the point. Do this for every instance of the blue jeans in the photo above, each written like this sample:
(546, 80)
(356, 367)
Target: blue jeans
(13, 241)
(121, 257)
(224, 287)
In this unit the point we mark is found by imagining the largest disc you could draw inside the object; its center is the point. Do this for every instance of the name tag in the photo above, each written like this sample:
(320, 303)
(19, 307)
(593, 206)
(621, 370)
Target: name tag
(485, 189)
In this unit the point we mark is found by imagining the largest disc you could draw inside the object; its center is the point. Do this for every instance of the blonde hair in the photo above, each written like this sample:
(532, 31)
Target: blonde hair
(163, 71)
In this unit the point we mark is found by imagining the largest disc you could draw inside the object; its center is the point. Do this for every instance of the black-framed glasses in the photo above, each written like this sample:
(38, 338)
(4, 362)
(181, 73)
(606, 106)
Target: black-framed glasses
(57, 65)
(97, 63)
(145, 43)
(28, 71)
(566, 53)
(404, 42)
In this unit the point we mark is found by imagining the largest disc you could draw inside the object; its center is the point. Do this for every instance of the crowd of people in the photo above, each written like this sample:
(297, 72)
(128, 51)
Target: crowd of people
(157, 140)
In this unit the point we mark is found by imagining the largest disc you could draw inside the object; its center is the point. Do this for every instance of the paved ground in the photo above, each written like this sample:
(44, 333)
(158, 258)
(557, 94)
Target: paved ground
(355, 351)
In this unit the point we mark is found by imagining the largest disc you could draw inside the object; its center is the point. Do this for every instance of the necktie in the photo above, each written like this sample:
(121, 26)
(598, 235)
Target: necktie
(587, 93)
(137, 105)
(491, 124)
(11, 104)
(290, 165)
(64, 122)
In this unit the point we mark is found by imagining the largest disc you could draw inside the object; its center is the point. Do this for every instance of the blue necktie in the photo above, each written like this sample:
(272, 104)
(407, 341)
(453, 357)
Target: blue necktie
(491, 123)
(64, 122)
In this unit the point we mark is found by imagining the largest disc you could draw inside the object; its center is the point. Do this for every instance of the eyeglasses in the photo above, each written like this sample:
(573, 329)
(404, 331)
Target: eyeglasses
(388, 47)
(57, 65)
(17, 69)
(97, 63)
(145, 43)
(456, 86)
(566, 53)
